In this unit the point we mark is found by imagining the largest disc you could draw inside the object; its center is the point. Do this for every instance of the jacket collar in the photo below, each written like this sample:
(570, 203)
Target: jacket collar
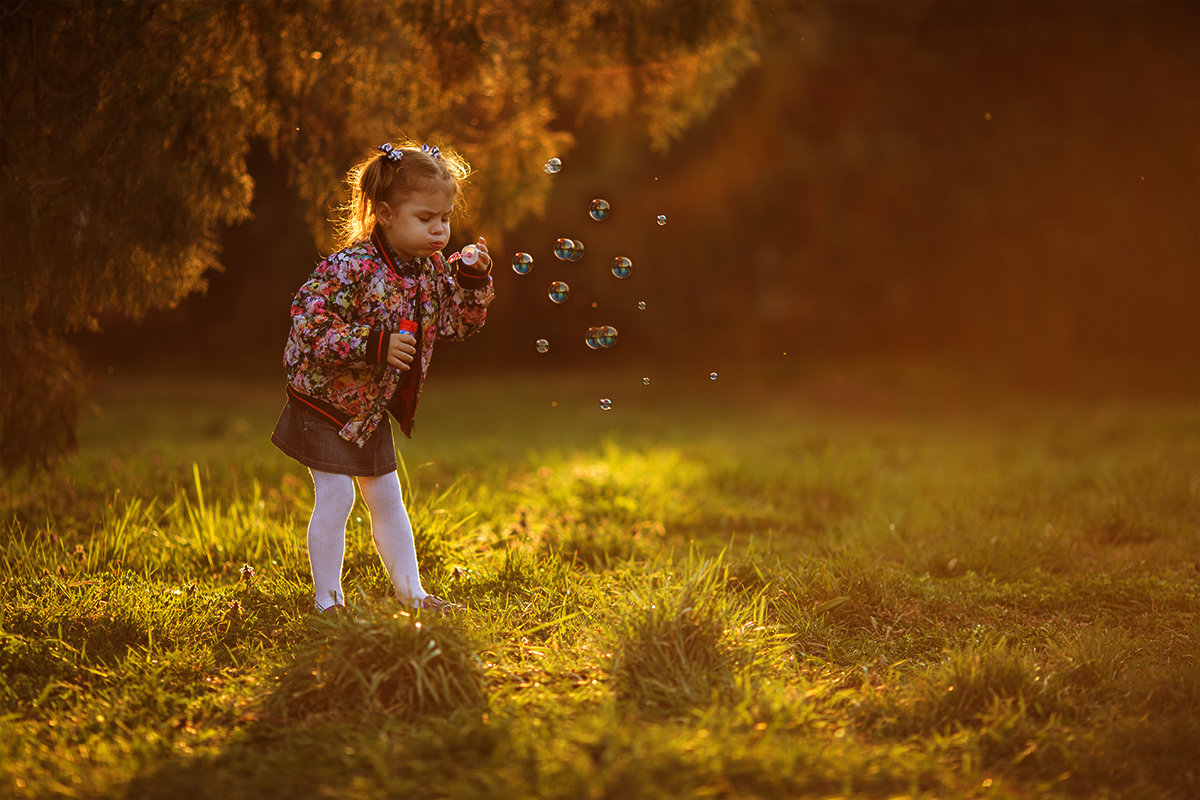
(402, 268)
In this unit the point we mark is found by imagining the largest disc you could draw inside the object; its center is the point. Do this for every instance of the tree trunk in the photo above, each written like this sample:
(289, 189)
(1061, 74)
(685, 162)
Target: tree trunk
(41, 393)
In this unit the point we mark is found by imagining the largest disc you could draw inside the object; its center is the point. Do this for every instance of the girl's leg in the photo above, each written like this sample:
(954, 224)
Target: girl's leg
(327, 535)
(393, 535)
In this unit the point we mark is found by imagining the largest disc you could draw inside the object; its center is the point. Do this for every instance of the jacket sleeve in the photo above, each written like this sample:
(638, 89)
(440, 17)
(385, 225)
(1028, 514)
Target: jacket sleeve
(323, 318)
(466, 295)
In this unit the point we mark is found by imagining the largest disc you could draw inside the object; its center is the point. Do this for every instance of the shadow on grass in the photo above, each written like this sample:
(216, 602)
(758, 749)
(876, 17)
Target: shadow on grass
(374, 755)
(356, 699)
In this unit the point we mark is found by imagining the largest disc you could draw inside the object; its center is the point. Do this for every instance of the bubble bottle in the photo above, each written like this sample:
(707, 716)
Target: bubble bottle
(408, 326)
(409, 384)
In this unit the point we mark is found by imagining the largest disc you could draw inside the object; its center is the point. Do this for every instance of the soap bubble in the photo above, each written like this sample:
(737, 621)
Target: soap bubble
(560, 291)
(622, 266)
(601, 337)
(645, 381)
(712, 376)
(599, 209)
(605, 404)
(553, 166)
(641, 305)
(469, 255)
(564, 249)
(522, 263)
(576, 251)
(542, 346)
(662, 219)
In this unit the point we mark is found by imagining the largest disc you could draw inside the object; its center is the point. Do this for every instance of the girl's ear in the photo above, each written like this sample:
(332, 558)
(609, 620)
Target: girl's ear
(383, 214)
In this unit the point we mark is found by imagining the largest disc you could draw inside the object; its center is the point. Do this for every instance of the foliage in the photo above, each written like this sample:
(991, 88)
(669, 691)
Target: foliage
(157, 638)
(127, 126)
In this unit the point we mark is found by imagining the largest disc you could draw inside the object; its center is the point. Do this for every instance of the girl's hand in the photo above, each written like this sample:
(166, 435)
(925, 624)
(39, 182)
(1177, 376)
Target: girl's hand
(402, 349)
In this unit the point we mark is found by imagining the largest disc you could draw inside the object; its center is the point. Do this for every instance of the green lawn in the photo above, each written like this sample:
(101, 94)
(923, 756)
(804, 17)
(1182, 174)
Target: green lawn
(810, 590)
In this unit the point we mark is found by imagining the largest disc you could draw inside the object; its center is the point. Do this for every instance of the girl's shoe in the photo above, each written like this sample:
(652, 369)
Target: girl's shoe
(335, 610)
(436, 604)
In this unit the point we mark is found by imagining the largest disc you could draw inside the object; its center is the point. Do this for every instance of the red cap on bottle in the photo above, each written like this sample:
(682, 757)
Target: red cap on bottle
(408, 326)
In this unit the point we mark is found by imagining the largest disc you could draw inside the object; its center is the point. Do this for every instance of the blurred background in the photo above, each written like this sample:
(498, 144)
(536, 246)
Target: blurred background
(1007, 188)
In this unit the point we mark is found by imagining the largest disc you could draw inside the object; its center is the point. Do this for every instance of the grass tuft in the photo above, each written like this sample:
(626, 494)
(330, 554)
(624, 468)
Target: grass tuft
(373, 663)
(673, 654)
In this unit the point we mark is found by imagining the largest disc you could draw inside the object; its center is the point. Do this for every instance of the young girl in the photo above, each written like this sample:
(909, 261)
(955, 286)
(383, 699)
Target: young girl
(349, 364)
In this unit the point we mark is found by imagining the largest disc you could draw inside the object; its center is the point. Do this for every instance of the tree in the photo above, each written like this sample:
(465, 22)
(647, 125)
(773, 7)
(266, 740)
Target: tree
(126, 127)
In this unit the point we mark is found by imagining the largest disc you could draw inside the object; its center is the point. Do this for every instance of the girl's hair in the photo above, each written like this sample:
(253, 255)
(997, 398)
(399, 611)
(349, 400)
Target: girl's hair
(383, 176)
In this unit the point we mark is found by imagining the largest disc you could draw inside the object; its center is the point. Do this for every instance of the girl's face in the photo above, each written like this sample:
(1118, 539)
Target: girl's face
(419, 225)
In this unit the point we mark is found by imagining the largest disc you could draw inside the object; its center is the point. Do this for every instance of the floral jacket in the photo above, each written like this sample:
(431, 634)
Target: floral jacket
(343, 316)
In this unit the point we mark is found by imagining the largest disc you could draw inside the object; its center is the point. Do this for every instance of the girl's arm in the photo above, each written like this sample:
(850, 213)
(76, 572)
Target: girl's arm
(466, 293)
(323, 314)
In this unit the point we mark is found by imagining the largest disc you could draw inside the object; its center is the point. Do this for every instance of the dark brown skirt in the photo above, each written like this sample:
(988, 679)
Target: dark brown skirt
(313, 440)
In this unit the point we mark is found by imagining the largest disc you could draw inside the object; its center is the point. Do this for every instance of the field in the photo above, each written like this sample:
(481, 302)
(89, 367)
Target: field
(824, 589)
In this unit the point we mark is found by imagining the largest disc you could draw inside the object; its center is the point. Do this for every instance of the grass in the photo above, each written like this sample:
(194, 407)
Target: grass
(821, 590)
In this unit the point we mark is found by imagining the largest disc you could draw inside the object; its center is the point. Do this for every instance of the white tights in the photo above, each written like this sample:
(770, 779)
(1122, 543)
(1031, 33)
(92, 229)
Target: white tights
(390, 528)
